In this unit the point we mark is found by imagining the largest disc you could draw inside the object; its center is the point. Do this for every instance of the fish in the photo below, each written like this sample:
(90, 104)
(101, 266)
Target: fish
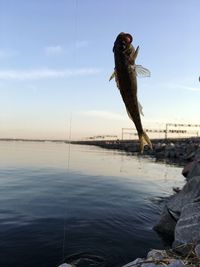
(125, 73)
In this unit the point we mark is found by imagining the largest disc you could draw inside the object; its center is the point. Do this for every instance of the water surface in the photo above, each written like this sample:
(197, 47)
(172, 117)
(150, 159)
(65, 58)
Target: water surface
(91, 206)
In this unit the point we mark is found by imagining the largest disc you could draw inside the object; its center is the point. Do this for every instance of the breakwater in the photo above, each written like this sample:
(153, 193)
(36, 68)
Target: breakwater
(177, 151)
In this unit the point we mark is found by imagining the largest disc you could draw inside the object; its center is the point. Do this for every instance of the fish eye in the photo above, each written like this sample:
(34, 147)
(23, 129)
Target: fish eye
(123, 44)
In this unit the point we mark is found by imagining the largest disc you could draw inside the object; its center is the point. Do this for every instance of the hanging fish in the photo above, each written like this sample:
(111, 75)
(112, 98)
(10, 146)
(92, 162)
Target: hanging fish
(125, 74)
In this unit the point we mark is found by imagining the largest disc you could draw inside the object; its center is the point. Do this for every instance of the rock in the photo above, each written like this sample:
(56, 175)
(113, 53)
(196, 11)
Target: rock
(166, 224)
(188, 167)
(197, 251)
(190, 151)
(197, 154)
(160, 155)
(194, 171)
(156, 254)
(189, 193)
(151, 264)
(187, 228)
(135, 263)
(176, 263)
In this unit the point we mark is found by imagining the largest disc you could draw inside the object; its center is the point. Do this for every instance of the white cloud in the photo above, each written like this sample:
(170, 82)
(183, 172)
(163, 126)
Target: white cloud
(54, 50)
(82, 43)
(37, 74)
(104, 114)
(193, 89)
(178, 86)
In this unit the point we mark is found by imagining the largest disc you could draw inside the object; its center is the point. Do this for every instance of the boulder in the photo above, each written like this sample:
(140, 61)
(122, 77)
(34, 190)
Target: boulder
(187, 229)
(166, 225)
(177, 263)
(173, 208)
(187, 169)
(156, 254)
(194, 170)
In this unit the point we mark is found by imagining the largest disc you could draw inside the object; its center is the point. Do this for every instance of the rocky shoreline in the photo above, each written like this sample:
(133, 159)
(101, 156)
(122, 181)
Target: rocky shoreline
(177, 151)
(180, 218)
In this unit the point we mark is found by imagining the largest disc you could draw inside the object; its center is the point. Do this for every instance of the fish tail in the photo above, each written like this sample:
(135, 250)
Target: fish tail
(144, 140)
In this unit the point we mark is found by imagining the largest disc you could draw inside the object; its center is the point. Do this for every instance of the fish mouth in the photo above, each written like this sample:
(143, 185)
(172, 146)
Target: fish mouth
(123, 41)
(125, 37)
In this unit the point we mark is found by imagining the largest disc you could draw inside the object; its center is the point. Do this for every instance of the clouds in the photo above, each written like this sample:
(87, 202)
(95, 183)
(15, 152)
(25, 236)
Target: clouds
(53, 50)
(185, 87)
(192, 89)
(37, 74)
(57, 50)
(81, 44)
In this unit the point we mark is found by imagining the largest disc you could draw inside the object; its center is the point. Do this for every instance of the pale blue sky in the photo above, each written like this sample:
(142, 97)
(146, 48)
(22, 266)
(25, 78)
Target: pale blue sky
(56, 58)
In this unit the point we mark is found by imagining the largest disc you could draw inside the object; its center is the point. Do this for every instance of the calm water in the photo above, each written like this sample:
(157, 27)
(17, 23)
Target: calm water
(100, 204)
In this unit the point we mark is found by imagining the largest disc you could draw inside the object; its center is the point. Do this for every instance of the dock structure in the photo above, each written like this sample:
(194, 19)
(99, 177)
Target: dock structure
(181, 130)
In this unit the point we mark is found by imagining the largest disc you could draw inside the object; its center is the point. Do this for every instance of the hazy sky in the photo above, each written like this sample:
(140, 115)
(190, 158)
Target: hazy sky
(56, 58)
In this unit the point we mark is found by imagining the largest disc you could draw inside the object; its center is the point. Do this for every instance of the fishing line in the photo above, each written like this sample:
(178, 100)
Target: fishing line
(70, 125)
(68, 165)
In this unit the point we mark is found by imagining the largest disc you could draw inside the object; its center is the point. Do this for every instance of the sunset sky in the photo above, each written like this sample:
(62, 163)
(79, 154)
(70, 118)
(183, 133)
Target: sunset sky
(56, 59)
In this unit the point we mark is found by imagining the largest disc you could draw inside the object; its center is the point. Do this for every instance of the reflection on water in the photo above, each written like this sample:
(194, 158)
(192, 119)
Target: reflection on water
(105, 200)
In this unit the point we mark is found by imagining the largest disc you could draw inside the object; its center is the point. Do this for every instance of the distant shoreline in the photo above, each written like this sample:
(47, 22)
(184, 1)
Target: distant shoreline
(34, 140)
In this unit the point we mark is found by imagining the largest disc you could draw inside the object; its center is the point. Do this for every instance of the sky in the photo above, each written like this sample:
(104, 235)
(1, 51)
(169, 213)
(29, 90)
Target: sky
(56, 59)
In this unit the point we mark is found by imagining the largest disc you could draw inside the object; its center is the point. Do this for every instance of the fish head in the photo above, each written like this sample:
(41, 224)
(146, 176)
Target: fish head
(122, 42)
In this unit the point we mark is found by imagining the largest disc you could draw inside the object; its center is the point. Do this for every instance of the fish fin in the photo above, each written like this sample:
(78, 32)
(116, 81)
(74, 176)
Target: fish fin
(144, 141)
(112, 76)
(140, 108)
(141, 71)
(135, 54)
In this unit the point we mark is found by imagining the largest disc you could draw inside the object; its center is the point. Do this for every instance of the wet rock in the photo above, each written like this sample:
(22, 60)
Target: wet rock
(188, 167)
(187, 228)
(166, 224)
(194, 170)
